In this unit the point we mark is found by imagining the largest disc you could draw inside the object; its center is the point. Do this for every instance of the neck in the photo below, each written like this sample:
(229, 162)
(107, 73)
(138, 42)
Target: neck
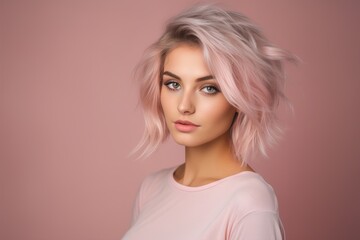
(208, 162)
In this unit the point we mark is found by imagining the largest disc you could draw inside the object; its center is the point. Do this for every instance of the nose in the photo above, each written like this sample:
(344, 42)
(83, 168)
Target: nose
(186, 105)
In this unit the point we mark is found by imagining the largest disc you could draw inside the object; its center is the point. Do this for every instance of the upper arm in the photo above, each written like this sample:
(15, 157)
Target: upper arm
(136, 208)
(138, 202)
(260, 225)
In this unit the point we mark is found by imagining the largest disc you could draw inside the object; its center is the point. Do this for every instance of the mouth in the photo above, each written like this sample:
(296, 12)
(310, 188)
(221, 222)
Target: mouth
(185, 126)
(186, 123)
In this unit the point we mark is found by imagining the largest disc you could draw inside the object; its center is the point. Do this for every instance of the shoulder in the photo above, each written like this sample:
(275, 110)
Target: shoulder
(253, 194)
(254, 210)
(158, 176)
(154, 182)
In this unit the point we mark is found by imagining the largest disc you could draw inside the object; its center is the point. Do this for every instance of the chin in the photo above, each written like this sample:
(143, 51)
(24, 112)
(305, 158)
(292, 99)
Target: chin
(185, 140)
(198, 139)
(187, 144)
(189, 140)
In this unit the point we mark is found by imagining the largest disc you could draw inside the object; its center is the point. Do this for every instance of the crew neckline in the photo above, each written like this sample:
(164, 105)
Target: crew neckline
(205, 186)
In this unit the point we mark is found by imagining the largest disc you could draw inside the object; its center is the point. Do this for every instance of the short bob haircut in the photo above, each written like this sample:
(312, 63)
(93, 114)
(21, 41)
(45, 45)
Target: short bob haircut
(247, 67)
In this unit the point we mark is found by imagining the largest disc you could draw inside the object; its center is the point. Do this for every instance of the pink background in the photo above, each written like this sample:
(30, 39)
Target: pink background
(68, 115)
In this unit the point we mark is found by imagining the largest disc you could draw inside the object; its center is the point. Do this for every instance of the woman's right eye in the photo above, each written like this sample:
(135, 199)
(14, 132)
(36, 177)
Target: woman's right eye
(172, 85)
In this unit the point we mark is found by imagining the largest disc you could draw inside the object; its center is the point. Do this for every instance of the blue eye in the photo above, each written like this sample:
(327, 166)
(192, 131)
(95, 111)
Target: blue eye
(172, 85)
(210, 90)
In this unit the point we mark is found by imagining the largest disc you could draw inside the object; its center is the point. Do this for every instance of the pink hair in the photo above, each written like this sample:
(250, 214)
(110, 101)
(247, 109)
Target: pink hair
(246, 65)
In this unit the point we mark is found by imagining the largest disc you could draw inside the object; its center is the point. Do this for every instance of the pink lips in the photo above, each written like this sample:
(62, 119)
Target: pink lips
(185, 126)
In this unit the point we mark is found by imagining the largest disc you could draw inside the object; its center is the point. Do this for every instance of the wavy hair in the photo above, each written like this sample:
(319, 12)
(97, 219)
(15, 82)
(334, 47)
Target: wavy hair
(247, 67)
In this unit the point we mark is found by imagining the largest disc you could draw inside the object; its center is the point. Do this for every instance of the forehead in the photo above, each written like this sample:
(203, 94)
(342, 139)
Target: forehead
(186, 61)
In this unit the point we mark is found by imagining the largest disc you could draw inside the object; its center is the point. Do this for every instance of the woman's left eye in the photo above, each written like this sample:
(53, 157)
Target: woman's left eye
(210, 90)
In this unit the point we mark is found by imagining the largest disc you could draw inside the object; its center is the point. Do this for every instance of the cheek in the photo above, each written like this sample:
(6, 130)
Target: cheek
(218, 112)
(166, 103)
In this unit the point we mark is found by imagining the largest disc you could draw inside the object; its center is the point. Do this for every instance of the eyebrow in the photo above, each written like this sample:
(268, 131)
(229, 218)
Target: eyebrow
(178, 78)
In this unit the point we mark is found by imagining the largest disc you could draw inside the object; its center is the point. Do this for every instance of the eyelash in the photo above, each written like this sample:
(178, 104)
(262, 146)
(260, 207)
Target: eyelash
(215, 89)
(170, 83)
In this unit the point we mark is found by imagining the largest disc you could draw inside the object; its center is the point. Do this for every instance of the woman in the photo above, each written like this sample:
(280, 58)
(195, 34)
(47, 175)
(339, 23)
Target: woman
(212, 81)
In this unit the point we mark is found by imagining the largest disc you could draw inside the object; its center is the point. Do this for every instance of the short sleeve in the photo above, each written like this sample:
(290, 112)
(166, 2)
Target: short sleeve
(259, 225)
(145, 191)
(138, 202)
(136, 208)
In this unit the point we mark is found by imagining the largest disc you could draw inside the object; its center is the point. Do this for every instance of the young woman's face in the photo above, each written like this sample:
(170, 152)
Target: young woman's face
(195, 110)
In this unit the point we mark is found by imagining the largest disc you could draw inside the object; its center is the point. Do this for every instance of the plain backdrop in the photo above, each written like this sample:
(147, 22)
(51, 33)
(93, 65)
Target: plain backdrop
(69, 115)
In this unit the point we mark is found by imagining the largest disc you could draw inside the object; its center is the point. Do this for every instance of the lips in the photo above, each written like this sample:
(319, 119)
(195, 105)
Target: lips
(185, 126)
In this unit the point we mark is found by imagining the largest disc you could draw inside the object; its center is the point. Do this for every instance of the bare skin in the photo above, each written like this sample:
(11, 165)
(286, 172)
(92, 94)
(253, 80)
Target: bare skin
(190, 93)
(208, 163)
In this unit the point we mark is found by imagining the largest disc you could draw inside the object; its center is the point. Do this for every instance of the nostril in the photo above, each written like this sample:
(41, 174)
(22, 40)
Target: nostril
(186, 108)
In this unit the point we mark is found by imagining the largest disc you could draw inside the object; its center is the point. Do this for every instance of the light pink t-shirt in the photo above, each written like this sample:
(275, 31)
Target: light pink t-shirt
(242, 207)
